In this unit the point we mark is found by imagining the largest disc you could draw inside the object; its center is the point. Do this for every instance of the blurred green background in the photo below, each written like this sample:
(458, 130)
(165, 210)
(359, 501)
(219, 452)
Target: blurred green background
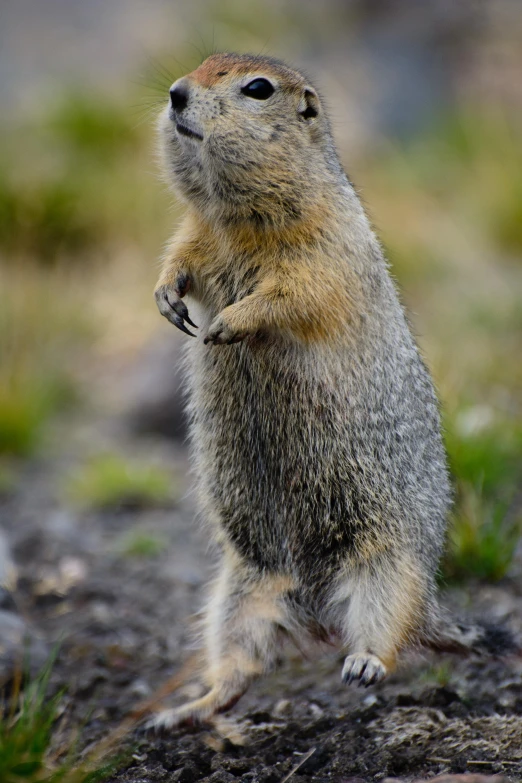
(426, 104)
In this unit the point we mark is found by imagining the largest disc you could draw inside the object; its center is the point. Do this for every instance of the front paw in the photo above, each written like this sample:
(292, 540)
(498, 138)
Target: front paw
(222, 333)
(169, 302)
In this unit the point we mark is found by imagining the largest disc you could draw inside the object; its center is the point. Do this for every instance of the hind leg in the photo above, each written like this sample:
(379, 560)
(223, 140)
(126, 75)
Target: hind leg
(380, 608)
(240, 630)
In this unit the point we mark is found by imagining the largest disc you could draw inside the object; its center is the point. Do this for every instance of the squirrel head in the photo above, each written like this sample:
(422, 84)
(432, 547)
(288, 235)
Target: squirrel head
(246, 140)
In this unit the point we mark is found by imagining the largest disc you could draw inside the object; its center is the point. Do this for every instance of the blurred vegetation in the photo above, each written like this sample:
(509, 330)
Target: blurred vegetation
(7, 480)
(141, 544)
(484, 454)
(80, 200)
(111, 481)
(439, 674)
(83, 218)
(27, 753)
(448, 205)
(467, 162)
(81, 185)
(39, 331)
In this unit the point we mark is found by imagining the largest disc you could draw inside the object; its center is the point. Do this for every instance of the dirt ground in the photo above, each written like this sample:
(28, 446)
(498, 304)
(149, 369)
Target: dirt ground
(124, 624)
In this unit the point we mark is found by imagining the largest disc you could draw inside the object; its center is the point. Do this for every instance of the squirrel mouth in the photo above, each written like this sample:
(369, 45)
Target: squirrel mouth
(184, 131)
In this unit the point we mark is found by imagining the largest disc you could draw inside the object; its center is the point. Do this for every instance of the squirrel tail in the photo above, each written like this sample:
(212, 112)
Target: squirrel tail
(483, 638)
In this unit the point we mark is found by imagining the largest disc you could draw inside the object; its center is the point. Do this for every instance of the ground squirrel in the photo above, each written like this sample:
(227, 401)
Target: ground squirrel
(314, 425)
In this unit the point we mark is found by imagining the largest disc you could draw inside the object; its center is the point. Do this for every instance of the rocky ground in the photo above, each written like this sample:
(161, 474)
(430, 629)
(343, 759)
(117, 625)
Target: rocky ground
(124, 623)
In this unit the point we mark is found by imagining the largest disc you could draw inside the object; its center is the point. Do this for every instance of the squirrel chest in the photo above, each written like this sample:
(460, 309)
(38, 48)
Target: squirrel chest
(285, 449)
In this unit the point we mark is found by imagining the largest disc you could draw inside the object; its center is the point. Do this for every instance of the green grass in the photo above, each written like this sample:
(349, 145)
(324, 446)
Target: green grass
(484, 452)
(140, 544)
(26, 405)
(77, 197)
(41, 328)
(92, 129)
(26, 739)
(439, 674)
(45, 218)
(84, 178)
(485, 449)
(110, 481)
(80, 198)
(483, 538)
(25, 735)
(468, 161)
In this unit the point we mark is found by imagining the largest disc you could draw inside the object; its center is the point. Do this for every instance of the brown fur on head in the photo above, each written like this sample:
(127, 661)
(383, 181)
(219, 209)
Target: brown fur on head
(238, 158)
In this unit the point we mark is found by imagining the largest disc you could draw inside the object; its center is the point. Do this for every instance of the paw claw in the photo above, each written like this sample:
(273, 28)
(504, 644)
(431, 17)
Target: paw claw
(190, 321)
(220, 333)
(178, 321)
(172, 308)
(366, 668)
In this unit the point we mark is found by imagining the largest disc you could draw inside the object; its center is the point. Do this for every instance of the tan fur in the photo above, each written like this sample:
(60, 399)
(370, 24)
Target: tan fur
(239, 647)
(286, 296)
(383, 613)
(222, 68)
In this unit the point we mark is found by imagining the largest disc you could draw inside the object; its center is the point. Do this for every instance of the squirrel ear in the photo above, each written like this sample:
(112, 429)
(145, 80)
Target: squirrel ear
(309, 104)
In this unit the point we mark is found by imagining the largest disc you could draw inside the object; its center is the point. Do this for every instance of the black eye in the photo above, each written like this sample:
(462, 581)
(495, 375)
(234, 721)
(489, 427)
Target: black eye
(261, 89)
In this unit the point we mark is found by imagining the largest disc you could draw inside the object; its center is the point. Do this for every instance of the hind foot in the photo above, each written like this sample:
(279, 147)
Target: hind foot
(165, 720)
(366, 668)
(196, 712)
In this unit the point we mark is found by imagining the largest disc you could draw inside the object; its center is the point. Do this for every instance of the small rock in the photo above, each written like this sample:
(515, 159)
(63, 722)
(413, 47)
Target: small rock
(72, 570)
(57, 582)
(283, 707)
(236, 766)
(102, 613)
(187, 774)
(140, 689)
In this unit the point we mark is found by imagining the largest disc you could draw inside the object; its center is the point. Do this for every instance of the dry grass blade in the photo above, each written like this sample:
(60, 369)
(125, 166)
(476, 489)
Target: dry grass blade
(111, 743)
(299, 765)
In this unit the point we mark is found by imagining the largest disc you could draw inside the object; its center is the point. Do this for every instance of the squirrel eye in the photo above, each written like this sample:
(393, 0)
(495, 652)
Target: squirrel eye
(261, 89)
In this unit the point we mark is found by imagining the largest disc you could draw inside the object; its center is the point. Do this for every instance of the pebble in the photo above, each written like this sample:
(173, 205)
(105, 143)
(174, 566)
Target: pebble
(282, 707)
(187, 774)
(140, 689)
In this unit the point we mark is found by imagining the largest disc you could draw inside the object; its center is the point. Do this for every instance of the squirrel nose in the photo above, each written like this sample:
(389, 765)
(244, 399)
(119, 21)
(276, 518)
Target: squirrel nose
(179, 96)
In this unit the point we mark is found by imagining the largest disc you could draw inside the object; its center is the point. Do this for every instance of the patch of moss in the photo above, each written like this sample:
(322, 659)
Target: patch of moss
(110, 481)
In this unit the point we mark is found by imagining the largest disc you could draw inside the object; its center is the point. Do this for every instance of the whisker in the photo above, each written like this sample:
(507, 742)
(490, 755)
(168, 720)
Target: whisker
(198, 50)
(206, 51)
